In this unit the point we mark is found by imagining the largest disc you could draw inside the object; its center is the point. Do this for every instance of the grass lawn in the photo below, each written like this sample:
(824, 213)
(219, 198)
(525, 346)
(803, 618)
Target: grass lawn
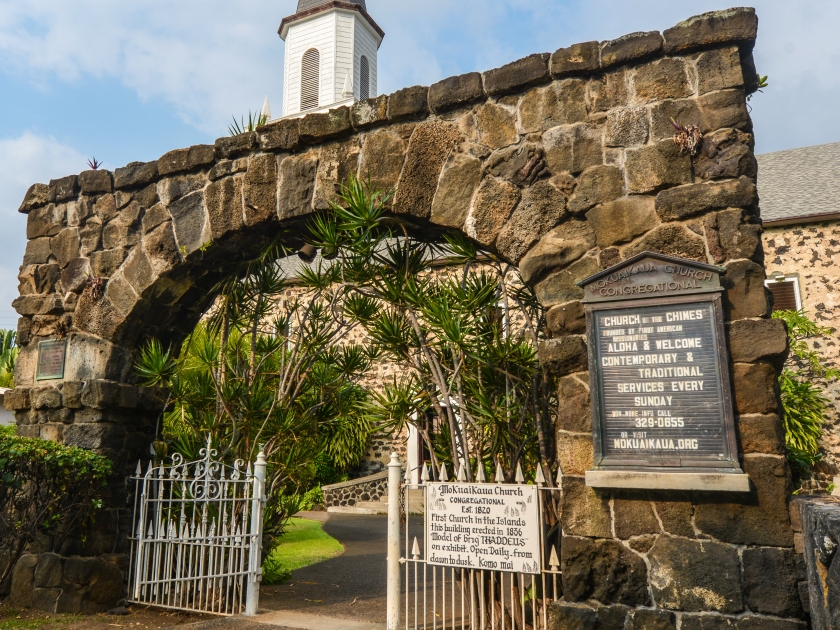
(304, 543)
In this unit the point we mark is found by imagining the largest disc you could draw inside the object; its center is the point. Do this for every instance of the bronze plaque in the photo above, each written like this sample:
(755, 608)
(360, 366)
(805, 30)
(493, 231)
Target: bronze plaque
(51, 355)
(659, 367)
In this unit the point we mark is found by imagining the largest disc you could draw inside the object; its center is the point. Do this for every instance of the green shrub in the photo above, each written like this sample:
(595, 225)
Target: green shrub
(805, 408)
(45, 489)
(313, 497)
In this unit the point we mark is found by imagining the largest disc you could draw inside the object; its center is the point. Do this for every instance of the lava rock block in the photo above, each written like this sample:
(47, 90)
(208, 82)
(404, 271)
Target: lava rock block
(713, 28)
(410, 102)
(770, 581)
(696, 576)
(576, 59)
(456, 92)
(603, 570)
(563, 616)
(531, 70)
(630, 48)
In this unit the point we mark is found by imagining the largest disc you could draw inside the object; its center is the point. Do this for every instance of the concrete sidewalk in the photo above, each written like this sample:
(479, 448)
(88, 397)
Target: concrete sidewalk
(282, 620)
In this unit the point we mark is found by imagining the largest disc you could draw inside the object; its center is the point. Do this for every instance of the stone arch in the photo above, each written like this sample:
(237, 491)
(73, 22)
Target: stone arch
(563, 163)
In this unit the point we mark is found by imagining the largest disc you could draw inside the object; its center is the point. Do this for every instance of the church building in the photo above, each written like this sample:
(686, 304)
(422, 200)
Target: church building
(331, 54)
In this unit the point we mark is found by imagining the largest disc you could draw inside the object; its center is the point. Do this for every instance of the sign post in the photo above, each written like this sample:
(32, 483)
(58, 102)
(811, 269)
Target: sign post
(662, 412)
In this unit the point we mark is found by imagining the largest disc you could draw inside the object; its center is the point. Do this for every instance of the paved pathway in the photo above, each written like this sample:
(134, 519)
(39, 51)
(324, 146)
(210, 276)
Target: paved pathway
(345, 593)
(350, 586)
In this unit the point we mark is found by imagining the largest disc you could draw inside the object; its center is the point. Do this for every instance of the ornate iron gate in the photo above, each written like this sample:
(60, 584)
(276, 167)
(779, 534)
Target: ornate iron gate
(197, 536)
(428, 597)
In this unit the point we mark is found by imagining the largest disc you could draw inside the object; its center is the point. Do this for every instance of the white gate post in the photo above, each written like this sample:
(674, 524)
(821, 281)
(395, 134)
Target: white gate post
(252, 598)
(393, 598)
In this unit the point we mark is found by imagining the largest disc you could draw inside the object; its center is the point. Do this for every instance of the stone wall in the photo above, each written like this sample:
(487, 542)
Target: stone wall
(56, 583)
(812, 251)
(817, 521)
(348, 493)
(564, 164)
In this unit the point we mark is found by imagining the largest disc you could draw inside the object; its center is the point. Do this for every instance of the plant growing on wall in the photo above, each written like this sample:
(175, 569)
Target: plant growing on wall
(241, 126)
(260, 371)
(465, 340)
(805, 408)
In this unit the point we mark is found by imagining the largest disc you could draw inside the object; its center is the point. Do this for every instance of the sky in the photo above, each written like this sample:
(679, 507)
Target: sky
(128, 81)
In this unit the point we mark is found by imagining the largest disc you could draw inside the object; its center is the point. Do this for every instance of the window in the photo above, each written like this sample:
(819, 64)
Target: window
(786, 292)
(310, 79)
(364, 79)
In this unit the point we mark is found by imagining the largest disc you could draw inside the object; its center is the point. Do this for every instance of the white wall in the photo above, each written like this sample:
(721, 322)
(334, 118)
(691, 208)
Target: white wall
(345, 25)
(317, 32)
(365, 45)
(341, 37)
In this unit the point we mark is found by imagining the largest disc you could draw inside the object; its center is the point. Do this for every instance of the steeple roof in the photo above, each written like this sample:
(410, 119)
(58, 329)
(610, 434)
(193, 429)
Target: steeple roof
(308, 8)
(305, 5)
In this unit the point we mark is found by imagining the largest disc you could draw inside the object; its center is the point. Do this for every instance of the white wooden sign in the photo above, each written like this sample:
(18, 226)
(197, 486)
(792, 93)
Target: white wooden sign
(483, 526)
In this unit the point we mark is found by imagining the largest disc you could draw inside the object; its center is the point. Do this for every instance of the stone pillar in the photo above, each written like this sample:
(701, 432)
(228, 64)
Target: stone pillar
(686, 555)
(95, 406)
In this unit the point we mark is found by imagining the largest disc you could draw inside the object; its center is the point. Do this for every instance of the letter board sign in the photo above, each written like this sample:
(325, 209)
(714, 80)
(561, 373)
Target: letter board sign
(659, 368)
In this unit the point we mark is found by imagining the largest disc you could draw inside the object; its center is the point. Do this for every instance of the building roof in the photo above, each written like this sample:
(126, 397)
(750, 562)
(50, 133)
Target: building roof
(305, 5)
(308, 8)
(800, 185)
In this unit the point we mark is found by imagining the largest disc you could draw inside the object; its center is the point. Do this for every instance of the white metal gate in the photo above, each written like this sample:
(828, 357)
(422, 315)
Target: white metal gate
(197, 538)
(422, 595)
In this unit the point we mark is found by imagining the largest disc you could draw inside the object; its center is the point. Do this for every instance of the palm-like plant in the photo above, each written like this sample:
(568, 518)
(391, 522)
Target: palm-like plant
(242, 126)
(465, 342)
(8, 355)
(805, 408)
(259, 371)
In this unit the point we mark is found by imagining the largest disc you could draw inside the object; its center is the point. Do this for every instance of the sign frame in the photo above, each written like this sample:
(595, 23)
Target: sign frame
(530, 497)
(45, 346)
(707, 293)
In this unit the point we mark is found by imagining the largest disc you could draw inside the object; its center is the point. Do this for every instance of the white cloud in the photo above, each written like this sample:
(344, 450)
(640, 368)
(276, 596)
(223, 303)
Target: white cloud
(208, 58)
(214, 58)
(24, 160)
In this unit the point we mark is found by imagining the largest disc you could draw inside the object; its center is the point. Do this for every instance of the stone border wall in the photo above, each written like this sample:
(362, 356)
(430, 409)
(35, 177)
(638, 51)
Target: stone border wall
(348, 493)
(564, 164)
(817, 522)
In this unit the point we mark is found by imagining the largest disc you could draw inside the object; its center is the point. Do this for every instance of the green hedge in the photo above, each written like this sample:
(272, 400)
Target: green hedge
(45, 489)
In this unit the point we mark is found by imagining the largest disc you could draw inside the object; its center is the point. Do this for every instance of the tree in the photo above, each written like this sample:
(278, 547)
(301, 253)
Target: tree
(805, 408)
(465, 342)
(265, 371)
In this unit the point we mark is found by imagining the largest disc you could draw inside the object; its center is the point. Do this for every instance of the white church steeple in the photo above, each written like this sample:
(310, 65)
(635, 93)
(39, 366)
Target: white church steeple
(331, 55)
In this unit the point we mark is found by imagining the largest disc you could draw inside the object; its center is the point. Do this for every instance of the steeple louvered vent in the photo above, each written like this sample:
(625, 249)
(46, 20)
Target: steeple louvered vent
(364, 79)
(310, 79)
